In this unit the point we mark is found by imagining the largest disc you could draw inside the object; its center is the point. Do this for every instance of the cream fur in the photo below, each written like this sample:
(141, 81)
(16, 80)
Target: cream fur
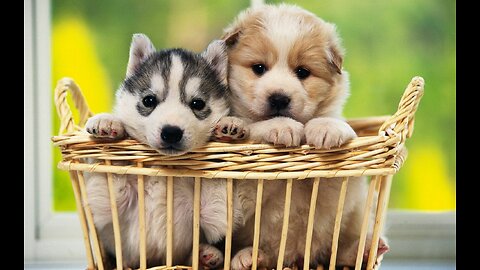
(284, 37)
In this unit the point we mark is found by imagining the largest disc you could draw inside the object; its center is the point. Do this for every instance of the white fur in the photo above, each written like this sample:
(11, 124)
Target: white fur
(192, 86)
(140, 49)
(213, 54)
(176, 75)
(328, 132)
(278, 130)
(213, 215)
(158, 84)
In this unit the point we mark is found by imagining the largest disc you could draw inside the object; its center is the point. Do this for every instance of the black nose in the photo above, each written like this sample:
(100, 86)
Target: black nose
(278, 102)
(171, 134)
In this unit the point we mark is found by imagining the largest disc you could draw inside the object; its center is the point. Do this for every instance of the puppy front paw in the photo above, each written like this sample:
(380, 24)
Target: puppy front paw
(279, 131)
(230, 128)
(105, 125)
(326, 133)
(210, 257)
(383, 248)
(243, 259)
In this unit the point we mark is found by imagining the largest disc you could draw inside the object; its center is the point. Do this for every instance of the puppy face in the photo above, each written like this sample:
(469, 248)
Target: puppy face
(285, 61)
(172, 99)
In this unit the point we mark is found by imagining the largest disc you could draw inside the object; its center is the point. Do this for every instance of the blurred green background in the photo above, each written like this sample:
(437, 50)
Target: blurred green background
(387, 43)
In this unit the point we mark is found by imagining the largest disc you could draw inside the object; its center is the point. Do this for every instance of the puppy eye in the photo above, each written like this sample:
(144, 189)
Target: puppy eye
(149, 101)
(259, 69)
(197, 104)
(302, 73)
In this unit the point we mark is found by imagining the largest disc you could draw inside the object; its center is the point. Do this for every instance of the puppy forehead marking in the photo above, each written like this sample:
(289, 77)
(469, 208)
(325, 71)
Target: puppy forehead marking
(283, 31)
(157, 82)
(158, 85)
(192, 86)
(176, 75)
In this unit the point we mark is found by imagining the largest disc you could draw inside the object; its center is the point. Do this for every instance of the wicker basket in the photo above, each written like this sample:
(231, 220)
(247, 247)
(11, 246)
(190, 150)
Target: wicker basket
(378, 152)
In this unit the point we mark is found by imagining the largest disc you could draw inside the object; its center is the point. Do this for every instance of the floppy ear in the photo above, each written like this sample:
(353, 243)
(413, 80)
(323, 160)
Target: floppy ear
(140, 48)
(335, 59)
(216, 56)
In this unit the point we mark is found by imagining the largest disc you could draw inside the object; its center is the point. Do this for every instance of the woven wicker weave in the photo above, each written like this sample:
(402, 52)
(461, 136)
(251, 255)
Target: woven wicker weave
(378, 151)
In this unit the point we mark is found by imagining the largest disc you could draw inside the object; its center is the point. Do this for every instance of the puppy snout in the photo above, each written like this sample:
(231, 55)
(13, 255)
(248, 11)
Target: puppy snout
(278, 102)
(171, 134)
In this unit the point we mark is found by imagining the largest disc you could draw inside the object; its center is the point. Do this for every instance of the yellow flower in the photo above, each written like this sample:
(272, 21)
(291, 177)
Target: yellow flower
(74, 56)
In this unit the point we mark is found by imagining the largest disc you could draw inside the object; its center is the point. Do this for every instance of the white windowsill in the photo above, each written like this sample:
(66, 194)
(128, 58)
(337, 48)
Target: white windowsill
(412, 236)
(386, 265)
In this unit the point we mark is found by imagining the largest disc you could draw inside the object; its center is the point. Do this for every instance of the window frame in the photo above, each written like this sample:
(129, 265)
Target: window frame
(47, 235)
(51, 236)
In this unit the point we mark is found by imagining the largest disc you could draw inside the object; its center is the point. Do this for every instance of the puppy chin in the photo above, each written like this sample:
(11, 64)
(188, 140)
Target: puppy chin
(277, 114)
(168, 149)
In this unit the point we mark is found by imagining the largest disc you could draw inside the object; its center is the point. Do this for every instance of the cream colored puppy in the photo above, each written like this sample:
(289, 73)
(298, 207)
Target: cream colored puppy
(287, 82)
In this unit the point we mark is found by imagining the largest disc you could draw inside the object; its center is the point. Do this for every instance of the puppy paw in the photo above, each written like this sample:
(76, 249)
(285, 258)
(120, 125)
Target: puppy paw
(230, 129)
(243, 259)
(383, 247)
(326, 133)
(105, 125)
(210, 257)
(279, 131)
(288, 133)
(381, 250)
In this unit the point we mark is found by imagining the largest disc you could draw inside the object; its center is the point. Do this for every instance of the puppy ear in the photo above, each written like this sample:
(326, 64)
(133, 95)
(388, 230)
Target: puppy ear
(216, 56)
(140, 48)
(335, 59)
(231, 38)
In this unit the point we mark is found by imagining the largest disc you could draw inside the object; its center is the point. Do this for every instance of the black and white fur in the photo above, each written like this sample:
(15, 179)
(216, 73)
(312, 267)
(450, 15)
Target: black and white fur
(171, 100)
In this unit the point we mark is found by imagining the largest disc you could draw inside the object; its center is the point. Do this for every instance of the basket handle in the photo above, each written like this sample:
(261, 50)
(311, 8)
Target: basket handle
(402, 121)
(67, 123)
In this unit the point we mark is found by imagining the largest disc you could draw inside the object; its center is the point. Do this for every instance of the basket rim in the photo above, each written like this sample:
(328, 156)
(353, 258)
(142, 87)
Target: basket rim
(368, 155)
(378, 150)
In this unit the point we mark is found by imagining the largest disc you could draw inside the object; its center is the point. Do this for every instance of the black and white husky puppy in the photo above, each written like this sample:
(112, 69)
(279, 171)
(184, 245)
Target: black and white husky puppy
(172, 100)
